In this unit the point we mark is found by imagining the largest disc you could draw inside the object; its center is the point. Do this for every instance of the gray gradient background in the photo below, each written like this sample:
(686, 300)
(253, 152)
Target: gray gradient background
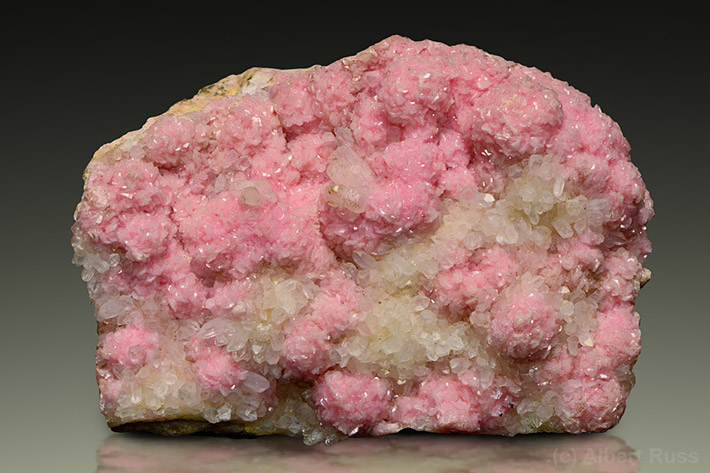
(72, 81)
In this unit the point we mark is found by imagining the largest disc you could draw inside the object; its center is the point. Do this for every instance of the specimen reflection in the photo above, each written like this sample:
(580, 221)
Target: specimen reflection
(408, 452)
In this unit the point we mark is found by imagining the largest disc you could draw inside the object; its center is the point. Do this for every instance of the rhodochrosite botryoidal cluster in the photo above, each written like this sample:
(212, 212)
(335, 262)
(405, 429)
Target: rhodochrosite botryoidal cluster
(419, 236)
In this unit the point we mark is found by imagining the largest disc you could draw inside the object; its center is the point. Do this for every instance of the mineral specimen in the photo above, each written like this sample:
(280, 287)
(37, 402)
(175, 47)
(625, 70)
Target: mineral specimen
(419, 236)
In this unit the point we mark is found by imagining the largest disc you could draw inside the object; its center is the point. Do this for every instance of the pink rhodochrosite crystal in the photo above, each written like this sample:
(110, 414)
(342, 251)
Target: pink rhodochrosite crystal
(419, 236)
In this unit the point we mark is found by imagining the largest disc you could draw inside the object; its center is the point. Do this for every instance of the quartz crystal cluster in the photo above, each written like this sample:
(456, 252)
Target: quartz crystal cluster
(419, 236)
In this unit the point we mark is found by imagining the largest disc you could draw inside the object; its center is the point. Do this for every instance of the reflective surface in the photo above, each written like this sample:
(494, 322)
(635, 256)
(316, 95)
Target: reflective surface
(408, 453)
(74, 82)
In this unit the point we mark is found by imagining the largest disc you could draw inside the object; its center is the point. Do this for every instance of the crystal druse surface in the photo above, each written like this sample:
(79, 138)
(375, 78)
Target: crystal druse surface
(419, 236)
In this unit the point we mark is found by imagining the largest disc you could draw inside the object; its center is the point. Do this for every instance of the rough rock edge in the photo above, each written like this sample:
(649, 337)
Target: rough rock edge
(182, 427)
(247, 82)
(643, 277)
(179, 427)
